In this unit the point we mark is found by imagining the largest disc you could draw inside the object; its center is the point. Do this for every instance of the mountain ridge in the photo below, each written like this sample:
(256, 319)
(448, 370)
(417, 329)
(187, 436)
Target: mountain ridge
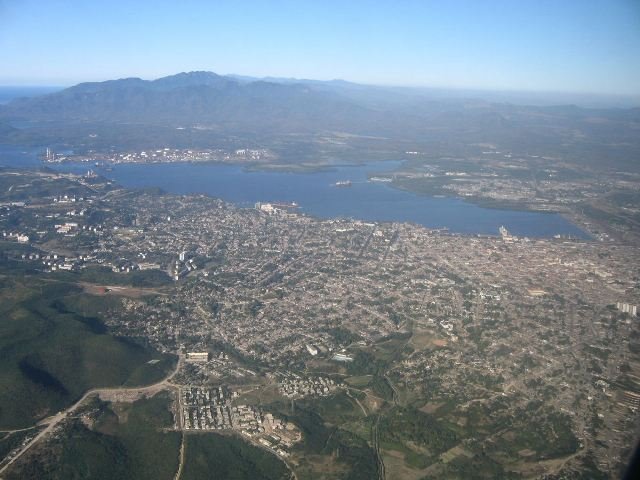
(307, 119)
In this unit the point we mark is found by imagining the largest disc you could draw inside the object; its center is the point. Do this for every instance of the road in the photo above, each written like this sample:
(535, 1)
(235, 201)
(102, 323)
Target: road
(182, 455)
(19, 429)
(364, 411)
(376, 447)
(52, 422)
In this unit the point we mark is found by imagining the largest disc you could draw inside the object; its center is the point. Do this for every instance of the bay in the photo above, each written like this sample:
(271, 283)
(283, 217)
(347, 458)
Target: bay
(317, 194)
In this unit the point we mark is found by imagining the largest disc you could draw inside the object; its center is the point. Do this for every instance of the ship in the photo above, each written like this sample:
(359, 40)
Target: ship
(285, 205)
(343, 183)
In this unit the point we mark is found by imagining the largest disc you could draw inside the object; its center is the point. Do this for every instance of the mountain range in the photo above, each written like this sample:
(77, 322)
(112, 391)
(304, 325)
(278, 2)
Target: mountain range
(275, 112)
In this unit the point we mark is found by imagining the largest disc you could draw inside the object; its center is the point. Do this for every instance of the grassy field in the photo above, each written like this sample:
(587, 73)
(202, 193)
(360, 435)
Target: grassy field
(51, 354)
(360, 381)
(126, 441)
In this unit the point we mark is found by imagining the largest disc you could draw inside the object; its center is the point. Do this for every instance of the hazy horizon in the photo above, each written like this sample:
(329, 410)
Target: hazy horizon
(515, 96)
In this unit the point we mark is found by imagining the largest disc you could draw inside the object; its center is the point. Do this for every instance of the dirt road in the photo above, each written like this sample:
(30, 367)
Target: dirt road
(53, 421)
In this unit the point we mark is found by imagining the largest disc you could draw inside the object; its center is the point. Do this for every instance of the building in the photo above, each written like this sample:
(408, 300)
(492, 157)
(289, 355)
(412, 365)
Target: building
(341, 357)
(626, 308)
(197, 356)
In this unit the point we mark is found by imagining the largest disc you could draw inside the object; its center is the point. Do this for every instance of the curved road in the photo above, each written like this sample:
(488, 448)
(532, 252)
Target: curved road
(53, 421)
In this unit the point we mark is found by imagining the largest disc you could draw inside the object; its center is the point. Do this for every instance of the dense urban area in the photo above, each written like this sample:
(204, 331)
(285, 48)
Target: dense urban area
(314, 348)
(162, 155)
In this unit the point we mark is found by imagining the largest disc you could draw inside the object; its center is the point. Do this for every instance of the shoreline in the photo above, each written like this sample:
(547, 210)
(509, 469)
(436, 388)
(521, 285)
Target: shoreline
(497, 205)
(248, 167)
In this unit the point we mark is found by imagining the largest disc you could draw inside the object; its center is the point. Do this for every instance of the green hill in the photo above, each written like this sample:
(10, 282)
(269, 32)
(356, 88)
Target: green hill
(51, 355)
(218, 456)
(126, 441)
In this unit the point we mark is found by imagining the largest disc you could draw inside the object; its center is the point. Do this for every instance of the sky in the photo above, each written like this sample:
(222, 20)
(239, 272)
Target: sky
(590, 46)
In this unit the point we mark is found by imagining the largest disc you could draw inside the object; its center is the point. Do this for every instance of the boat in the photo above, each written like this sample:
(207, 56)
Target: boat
(343, 183)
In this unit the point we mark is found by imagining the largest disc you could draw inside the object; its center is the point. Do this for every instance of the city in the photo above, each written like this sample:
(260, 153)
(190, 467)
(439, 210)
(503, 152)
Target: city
(469, 330)
(367, 240)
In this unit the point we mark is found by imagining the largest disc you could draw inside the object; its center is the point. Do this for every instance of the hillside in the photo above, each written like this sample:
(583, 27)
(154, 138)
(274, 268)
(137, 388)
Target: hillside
(54, 349)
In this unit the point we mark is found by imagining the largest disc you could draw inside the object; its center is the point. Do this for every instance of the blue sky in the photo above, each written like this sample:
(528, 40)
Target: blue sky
(537, 45)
